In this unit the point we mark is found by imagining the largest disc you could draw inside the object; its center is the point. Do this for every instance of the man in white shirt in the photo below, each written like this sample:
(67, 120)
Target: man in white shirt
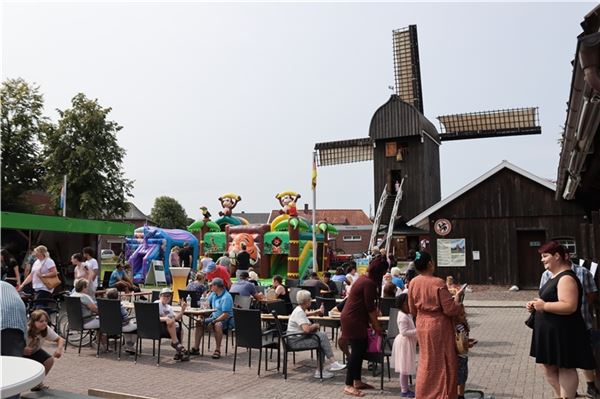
(92, 264)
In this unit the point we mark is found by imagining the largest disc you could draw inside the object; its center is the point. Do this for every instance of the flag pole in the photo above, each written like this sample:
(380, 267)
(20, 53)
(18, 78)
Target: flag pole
(64, 196)
(314, 212)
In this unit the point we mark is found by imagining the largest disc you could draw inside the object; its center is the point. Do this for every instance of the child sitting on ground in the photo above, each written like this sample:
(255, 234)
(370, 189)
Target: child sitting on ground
(404, 349)
(38, 330)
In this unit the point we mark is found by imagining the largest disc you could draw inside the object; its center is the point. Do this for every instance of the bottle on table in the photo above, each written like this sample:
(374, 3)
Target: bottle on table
(188, 300)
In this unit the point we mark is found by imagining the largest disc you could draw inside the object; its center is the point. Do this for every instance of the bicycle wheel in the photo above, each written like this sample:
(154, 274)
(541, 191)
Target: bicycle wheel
(74, 335)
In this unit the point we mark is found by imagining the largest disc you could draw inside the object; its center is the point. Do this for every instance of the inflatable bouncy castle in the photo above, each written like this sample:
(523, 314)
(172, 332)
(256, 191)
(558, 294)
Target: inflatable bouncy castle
(282, 247)
(153, 243)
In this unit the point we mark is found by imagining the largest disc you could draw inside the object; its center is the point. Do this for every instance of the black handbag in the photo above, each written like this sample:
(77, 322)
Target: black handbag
(530, 322)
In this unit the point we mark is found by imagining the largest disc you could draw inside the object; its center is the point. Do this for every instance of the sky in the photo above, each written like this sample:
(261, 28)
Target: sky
(232, 97)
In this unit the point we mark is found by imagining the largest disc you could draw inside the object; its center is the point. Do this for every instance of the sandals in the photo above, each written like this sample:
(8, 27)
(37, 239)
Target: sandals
(364, 385)
(216, 354)
(40, 387)
(351, 391)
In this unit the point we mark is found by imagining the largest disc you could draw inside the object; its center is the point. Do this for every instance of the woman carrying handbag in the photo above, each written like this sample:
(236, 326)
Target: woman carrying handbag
(43, 276)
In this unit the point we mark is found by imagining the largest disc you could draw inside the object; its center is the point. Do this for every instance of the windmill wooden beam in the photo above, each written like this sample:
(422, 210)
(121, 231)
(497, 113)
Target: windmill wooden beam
(499, 123)
(344, 151)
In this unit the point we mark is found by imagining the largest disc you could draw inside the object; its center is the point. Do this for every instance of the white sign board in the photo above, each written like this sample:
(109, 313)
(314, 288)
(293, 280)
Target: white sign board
(156, 274)
(451, 252)
(476, 255)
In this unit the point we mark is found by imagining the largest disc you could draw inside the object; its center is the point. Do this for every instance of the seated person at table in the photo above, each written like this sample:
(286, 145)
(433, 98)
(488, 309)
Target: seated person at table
(127, 323)
(282, 293)
(333, 289)
(212, 270)
(314, 281)
(299, 324)
(38, 331)
(396, 279)
(243, 287)
(168, 320)
(119, 280)
(220, 320)
(88, 305)
(339, 275)
(198, 285)
(252, 277)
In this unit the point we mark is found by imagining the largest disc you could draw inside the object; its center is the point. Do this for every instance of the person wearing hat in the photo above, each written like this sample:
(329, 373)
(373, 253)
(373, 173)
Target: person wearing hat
(212, 270)
(243, 287)
(168, 320)
(219, 321)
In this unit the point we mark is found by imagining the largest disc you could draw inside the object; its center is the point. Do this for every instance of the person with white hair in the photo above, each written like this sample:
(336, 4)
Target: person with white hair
(300, 325)
(396, 279)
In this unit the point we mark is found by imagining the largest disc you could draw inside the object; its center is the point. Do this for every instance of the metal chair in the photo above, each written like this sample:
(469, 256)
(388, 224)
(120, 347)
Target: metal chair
(285, 341)
(75, 320)
(249, 335)
(278, 306)
(387, 340)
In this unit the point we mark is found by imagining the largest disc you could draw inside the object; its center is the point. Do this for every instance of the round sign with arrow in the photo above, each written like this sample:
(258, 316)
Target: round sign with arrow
(442, 227)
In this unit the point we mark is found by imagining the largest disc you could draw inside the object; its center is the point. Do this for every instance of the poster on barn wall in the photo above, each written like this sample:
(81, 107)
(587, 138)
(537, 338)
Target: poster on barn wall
(451, 252)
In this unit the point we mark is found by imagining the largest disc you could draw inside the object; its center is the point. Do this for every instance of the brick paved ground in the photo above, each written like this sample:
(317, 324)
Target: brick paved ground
(499, 365)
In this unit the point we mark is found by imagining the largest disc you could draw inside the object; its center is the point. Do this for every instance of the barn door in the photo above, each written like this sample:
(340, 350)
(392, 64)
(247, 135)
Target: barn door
(528, 258)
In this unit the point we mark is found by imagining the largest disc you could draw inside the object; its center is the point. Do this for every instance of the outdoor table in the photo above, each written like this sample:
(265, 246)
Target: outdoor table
(133, 295)
(19, 374)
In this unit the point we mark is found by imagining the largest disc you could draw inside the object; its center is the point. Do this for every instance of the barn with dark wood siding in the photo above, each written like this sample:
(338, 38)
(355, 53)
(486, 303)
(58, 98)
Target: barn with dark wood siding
(490, 230)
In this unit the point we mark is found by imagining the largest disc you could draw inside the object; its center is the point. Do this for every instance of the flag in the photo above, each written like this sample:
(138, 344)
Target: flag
(63, 194)
(314, 175)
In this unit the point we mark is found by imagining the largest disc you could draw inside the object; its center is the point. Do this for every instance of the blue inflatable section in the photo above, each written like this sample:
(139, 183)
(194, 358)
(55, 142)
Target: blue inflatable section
(153, 243)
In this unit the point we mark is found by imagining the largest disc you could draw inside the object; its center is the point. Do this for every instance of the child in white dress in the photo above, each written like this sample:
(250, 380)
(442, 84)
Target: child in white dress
(404, 356)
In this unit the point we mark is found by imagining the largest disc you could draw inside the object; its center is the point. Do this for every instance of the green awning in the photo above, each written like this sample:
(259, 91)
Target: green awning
(26, 221)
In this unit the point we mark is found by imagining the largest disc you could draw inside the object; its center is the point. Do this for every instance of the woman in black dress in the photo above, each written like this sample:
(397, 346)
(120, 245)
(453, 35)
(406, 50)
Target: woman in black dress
(560, 341)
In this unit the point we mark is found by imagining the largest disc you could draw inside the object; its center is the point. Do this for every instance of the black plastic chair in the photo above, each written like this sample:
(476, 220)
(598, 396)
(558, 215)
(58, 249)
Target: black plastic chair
(385, 304)
(75, 318)
(194, 295)
(328, 303)
(287, 338)
(148, 327)
(111, 322)
(49, 305)
(249, 334)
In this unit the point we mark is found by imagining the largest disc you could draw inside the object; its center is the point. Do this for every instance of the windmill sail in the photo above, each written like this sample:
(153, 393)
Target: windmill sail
(407, 70)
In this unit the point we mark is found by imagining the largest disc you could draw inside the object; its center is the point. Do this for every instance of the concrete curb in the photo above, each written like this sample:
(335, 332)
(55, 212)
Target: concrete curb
(494, 304)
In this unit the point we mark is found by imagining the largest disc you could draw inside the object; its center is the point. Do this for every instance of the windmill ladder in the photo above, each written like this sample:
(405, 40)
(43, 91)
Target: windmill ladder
(388, 241)
(377, 221)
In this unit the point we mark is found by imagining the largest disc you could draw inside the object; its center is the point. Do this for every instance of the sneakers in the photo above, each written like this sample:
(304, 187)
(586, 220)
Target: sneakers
(337, 366)
(407, 394)
(182, 356)
(326, 374)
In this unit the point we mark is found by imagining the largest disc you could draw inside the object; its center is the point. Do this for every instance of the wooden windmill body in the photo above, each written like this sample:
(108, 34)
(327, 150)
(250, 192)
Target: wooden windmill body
(404, 146)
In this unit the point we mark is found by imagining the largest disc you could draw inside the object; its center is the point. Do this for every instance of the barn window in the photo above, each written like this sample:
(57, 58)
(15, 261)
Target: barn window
(352, 238)
(569, 244)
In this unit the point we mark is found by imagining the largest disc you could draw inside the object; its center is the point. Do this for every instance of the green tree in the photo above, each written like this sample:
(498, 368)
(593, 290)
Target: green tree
(168, 213)
(22, 121)
(83, 146)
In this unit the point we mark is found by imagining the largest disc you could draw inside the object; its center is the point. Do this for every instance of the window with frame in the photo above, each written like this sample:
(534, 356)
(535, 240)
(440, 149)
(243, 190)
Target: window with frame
(352, 238)
(569, 243)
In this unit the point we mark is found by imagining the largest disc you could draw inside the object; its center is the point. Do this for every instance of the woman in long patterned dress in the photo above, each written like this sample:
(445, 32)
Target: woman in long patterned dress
(430, 301)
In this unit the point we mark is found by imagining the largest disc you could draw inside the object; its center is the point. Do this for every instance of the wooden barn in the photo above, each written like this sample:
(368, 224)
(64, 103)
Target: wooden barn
(489, 231)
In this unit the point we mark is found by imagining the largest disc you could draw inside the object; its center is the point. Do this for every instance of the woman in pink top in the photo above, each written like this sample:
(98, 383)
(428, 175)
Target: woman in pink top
(434, 307)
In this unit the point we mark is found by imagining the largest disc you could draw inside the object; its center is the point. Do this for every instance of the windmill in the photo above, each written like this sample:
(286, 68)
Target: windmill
(404, 146)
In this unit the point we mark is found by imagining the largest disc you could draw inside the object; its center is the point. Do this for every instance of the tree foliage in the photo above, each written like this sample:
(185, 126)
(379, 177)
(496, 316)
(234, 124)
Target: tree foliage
(168, 213)
(22, 122)
(83, 146)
